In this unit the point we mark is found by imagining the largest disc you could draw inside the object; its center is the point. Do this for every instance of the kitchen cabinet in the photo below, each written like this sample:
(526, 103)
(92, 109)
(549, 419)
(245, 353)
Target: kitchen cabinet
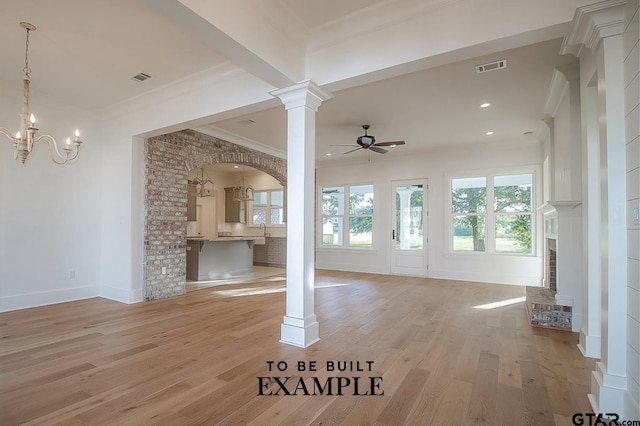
(191, 201)
(260, 254)
(193, 251)
(272, 253)
(206, 224)
(234, 211)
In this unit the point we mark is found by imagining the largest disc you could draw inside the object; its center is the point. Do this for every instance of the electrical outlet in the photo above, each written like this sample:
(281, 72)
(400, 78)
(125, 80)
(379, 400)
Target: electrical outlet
(72, 274)
(164, 270)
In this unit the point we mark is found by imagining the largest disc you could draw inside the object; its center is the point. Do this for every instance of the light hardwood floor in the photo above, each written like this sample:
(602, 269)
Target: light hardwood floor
(196, 359)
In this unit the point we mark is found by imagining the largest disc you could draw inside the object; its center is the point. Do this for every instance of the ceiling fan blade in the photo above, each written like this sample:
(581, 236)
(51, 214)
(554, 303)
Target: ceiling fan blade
(353, 150)
(378, 150)
(389, 143)
(344, 144)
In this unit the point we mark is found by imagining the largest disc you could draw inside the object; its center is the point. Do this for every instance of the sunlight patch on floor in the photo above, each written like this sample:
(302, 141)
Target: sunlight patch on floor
(501, 303)
(251, 291)
(329, 285)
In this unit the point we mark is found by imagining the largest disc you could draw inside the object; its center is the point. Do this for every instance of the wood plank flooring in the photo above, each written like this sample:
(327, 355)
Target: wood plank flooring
(196, 359)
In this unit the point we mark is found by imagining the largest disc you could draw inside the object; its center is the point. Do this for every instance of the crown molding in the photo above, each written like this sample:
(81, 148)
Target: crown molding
(225, 135)
(592, 23)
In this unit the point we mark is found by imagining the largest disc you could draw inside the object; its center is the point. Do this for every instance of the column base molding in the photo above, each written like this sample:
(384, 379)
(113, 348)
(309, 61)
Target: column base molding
(607, 391)
(589, 345)
(299, 332)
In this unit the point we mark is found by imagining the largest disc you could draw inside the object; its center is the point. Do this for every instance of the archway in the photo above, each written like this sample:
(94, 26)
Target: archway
(168, 159)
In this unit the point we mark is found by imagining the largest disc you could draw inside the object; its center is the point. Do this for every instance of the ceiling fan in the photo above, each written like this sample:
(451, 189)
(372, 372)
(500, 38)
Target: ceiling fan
(367, 141)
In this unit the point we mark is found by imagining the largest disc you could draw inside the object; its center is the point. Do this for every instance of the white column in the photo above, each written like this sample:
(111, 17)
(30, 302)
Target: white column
(609, 381)
(300, 327)
(598, 27)
(590, 330)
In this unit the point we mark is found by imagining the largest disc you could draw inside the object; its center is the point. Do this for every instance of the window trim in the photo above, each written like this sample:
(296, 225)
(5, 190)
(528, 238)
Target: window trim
(268, 209)
(345, 218)
(490, 213)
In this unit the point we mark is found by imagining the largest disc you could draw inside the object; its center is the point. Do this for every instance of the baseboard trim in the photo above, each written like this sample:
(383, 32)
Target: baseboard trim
(122, 295)
(32, 300)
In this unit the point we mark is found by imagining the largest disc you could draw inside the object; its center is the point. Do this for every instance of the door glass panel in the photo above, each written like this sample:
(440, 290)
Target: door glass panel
(332, 231)
(409, 217)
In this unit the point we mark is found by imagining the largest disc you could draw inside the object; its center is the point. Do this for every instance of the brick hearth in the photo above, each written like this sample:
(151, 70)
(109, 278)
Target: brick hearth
(543, 310)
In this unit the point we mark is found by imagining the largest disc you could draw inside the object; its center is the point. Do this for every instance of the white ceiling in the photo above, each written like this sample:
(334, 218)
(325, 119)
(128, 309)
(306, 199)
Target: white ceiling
(432, 108)
(86, 51)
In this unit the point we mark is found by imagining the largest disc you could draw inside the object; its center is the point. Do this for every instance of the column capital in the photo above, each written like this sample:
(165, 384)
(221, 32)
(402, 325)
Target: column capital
(592, 23)
(306, 93)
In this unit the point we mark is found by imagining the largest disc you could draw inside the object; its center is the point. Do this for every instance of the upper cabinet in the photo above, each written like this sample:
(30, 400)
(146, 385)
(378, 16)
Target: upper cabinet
(191, 201)
(234, 211)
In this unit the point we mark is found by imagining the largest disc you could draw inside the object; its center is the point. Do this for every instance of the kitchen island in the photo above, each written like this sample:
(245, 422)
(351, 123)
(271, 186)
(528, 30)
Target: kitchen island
(220, 258)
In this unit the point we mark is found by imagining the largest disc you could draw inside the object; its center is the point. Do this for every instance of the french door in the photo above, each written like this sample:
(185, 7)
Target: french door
(409, 228)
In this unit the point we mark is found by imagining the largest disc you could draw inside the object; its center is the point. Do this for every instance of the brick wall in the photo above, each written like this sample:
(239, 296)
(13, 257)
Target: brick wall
(168, 159)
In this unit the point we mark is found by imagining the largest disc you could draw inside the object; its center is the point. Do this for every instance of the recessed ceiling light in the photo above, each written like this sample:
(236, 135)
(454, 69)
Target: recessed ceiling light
(489, 133)
(235, 166)
(485, 105)
(328, 154)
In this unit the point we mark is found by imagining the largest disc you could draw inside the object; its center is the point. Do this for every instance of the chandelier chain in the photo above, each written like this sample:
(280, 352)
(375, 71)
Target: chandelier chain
(26, 69)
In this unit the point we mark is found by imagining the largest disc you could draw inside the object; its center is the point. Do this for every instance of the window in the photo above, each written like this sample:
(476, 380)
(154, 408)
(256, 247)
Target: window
(513, 198)
(469, 206)
(505, 227)
(343, 224)
(267, 208)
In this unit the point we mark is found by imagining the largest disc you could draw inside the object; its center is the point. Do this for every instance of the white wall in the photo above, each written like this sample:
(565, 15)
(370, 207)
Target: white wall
(50, 217)
(437, 166)
(88, 217)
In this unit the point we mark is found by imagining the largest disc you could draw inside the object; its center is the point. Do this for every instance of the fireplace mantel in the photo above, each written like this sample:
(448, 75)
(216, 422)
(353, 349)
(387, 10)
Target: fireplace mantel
(551, 207)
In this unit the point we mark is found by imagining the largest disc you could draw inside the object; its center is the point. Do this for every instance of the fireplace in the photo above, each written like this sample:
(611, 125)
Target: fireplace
(557, 303)
(550, 263)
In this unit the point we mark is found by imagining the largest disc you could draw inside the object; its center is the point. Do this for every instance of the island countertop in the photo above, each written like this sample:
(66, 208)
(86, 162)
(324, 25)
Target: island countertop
(256, 239)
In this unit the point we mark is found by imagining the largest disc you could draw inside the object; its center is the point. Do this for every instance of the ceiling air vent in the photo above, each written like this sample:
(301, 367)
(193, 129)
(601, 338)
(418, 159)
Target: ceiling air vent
(141, 77)
(492, 66)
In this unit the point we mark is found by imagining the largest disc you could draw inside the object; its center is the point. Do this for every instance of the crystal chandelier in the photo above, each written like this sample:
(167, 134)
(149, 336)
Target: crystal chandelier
(25, 138)
(243, 192)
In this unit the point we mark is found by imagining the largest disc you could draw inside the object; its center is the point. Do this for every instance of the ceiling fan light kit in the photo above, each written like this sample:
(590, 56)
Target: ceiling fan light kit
(368, 141)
